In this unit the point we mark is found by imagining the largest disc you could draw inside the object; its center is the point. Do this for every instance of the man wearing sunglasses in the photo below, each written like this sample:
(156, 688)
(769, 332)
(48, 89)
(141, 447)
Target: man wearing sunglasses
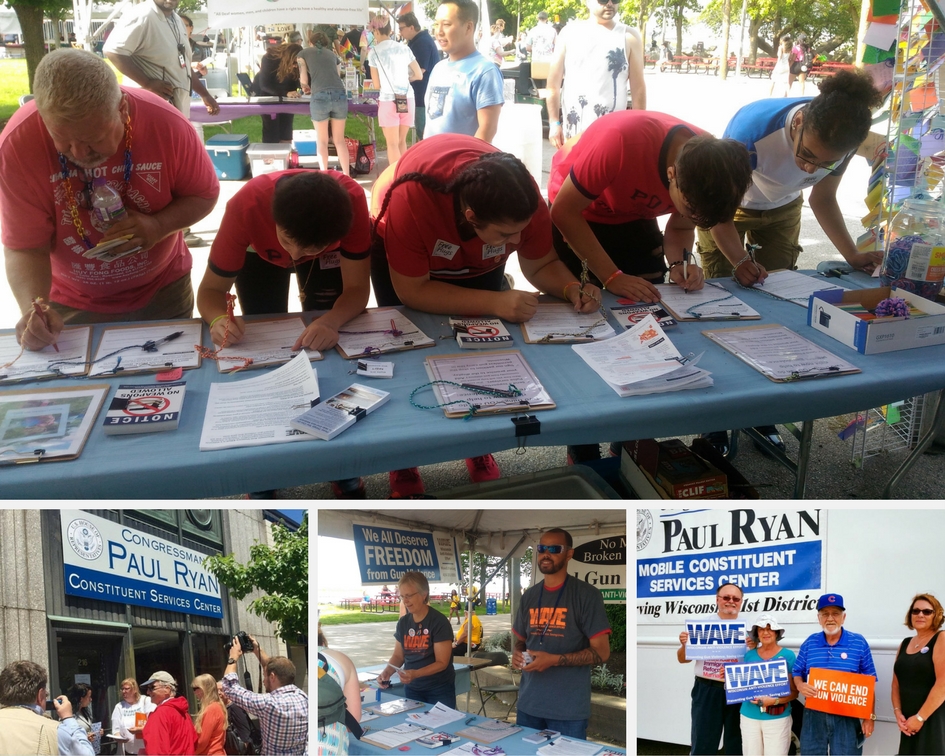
(150, 47)
(561, 631)
(843, 651)
(711, 717)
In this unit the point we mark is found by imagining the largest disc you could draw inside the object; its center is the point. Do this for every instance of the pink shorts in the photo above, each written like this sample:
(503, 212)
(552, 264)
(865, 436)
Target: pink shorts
(388, 117)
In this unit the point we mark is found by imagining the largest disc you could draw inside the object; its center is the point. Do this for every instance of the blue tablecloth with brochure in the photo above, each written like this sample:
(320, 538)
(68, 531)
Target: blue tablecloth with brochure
(513, 745)
(397, 687)
(398, 435)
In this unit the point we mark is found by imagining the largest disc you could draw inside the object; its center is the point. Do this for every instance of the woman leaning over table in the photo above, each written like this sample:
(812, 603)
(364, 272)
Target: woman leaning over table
(447, 216)
(766, 721)
(918, 684)
(424, 647)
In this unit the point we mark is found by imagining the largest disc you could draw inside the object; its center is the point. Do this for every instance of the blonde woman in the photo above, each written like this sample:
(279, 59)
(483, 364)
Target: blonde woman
(124, 716)
(211, 719)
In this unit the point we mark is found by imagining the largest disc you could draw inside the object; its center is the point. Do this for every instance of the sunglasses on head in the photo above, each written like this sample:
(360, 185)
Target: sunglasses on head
(926, 612)
(555, 549)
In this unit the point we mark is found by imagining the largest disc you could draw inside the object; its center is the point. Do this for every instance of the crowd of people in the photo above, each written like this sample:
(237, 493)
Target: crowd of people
(764, 725)
(154, 718)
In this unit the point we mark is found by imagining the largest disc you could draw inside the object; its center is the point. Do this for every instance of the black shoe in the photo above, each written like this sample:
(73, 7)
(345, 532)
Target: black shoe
(581, 453)
(719, 440)
(771, 436)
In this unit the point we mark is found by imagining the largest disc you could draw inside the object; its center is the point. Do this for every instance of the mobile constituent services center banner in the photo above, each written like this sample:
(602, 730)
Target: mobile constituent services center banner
(107, 561)
(776, 556)
(745, 682)
(385, 554)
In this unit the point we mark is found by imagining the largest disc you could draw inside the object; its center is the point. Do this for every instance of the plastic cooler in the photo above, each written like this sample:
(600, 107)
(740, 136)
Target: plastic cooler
(267, 158)
(303, 141)
(228, 153)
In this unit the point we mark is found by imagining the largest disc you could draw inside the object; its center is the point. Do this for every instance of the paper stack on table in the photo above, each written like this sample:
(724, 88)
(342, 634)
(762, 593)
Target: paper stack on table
(439, 715)
(569, 746)
(642, 360)
(396, 736)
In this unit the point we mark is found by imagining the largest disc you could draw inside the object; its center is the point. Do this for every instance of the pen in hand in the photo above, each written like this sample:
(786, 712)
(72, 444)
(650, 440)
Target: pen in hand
(685, 268)
(40, 313)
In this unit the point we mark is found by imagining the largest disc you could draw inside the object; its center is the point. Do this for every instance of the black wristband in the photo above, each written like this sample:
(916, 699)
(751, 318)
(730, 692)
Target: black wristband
(230, 661)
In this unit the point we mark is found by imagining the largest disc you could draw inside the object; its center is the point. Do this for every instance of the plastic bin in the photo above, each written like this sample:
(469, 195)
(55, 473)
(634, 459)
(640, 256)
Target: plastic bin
(576, 482)
(228, 153)
(304, 142)
(267, 158)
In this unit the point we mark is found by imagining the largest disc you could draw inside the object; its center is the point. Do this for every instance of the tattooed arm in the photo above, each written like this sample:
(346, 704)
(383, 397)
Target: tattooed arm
(597, 654)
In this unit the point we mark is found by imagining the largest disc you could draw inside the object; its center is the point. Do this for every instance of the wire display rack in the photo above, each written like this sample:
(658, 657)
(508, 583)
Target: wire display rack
(887, 429)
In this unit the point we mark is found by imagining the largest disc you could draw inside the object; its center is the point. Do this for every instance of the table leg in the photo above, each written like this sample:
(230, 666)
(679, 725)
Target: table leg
(938, 424)
(799, 468)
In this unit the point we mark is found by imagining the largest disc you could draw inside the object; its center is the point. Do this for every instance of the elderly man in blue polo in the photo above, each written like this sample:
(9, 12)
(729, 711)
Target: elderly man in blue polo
(835, 649)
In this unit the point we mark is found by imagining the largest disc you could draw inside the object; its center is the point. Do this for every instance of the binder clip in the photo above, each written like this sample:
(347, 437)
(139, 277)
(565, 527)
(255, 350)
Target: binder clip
(359, 413)
(526, 425)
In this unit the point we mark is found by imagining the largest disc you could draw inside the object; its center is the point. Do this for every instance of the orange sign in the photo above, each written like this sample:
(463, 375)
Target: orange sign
(843, 693)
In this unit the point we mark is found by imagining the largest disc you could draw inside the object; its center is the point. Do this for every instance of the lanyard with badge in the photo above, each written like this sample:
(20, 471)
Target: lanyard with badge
(541, 638)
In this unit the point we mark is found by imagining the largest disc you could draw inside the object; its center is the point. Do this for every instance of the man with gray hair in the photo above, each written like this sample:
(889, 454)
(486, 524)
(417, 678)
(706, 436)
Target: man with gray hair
(84, 130)
(169, 729)
(23, 728)
(149, 47)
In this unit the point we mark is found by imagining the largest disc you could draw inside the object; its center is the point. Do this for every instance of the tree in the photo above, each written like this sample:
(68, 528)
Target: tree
(280, 572)
(30, 14)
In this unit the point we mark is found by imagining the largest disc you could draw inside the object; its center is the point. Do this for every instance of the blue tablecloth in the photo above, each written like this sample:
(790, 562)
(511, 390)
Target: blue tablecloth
(513, 745)
(169, 465)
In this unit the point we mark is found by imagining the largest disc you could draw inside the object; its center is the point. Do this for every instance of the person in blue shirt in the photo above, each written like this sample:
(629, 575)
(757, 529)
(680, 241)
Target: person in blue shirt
(464, 92)
(843, 651)
(766, 721)
(424, 49)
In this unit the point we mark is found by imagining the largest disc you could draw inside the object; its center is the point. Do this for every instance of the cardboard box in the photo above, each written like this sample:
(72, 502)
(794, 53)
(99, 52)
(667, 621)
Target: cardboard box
(228, 153)
(268, 158)
(672, 470)
(304, 142)
(881, 335)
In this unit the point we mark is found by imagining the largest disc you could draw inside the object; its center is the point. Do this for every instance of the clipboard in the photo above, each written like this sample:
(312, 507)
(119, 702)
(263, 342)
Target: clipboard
(820, 363)
(184, 354)
(503, 364)
(48, 425)
(284, 354)
(401, 335)
(578, 333)
(28, 366)
(709, 302)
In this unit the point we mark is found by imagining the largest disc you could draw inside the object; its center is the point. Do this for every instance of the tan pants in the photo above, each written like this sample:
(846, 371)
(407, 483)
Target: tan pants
(173, 302)
(777, 232)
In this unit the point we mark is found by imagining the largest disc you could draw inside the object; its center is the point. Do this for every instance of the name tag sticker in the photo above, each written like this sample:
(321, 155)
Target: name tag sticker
(489, 252)
(329, 260)
(445, 249)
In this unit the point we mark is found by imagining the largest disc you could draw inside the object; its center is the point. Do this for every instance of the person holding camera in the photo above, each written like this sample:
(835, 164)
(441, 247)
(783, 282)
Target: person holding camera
(282, 710)
(23, 728)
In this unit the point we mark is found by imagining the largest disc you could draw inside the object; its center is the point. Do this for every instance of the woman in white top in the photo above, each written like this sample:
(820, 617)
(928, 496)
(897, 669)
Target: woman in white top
(781, 73)
(393, 67)
(124, 716)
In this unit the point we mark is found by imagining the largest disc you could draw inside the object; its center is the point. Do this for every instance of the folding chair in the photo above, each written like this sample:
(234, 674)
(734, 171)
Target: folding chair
(488, 692)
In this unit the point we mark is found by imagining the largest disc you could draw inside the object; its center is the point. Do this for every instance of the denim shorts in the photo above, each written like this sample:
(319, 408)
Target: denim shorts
(332, 103)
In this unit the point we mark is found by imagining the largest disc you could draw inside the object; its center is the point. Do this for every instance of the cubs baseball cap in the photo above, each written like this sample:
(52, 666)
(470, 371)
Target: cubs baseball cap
(831, 599)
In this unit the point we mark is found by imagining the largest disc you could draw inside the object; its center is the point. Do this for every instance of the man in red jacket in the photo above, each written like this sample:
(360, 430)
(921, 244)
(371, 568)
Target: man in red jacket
(169, 729)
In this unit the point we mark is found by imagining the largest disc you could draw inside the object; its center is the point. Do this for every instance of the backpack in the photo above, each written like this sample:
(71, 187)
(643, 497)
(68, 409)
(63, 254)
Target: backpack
(331, 701)
(234, 745)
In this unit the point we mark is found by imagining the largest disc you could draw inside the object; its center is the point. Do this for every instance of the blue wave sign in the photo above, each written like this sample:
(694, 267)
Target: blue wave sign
(750, 680)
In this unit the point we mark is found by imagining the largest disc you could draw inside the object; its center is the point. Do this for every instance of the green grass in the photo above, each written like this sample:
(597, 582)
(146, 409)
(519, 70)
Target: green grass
(14, 82)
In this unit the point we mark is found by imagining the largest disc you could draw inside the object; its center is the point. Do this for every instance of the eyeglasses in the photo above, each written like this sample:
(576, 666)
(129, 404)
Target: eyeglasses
(196, 687)
(407, 596)
(804, 159)
(552, 549)
(926, 612)
(730, 598)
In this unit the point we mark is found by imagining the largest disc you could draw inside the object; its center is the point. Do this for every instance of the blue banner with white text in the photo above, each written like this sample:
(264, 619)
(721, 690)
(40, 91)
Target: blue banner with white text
(745, 682)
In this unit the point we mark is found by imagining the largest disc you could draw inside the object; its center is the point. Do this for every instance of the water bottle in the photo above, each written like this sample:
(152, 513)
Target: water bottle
(106, 202)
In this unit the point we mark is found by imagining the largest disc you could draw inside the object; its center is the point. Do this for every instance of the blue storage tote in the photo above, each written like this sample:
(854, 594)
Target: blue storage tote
(228, 153)
(303, 141)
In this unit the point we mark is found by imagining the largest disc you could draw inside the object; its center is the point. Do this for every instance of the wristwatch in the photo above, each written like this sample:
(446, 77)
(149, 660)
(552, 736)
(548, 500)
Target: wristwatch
(873, 717)
(230, 661)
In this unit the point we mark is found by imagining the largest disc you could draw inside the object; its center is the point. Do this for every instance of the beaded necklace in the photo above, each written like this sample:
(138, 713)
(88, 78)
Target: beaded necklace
(70, 195)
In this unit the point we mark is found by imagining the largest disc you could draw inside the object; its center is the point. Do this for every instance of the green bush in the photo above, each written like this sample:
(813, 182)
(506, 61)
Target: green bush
(617, 616)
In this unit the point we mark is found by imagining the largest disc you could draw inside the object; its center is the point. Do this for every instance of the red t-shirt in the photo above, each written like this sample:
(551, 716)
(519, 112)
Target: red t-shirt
(420, 227)
(619, 162)
(248, 222)
(168, 161)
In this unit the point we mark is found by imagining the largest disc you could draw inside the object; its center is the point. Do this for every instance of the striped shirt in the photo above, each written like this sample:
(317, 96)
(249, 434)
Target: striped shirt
(283, 716)
(849, 654)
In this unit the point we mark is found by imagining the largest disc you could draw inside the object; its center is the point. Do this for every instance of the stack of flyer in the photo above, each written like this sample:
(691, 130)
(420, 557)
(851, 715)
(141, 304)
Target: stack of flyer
(642, 360)
(343, 410)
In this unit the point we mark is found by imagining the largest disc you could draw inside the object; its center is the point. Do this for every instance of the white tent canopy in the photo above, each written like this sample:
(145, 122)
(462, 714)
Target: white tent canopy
(230, 13)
